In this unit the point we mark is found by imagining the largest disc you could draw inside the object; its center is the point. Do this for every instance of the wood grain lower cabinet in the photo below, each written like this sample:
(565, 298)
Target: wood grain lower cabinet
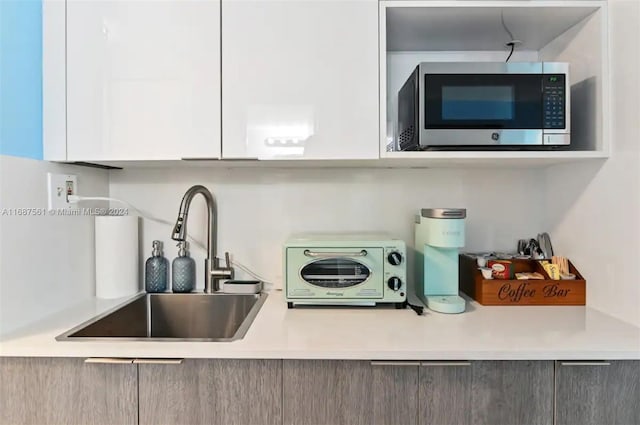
(225, 392)
(335, 392)
(486, 392)
(445, 393)
(598, 393)
(57, 391)
(44, 391)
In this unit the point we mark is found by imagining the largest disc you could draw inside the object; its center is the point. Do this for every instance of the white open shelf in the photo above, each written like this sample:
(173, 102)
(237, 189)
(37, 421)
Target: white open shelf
(563, 31)
(463, 28)
(496, 159)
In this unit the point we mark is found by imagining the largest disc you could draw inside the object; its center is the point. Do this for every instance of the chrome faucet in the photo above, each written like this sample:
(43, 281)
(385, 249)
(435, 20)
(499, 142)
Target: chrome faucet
(213, 273)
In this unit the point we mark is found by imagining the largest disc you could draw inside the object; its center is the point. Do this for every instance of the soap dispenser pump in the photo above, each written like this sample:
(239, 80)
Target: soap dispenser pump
(156, 270)
(183, 270)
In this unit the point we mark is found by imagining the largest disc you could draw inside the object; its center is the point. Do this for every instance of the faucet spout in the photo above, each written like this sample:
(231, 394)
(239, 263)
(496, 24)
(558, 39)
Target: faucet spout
(213, 272)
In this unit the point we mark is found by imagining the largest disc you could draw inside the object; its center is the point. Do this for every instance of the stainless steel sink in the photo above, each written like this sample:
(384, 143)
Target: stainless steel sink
(173, 317)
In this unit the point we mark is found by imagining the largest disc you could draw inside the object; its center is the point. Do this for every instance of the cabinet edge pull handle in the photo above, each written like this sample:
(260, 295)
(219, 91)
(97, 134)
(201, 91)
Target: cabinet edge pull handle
(158, 361)
(585, 363)
(452, 364)
(108, 360)
(220, 160)
(203, 158)
(393, 363)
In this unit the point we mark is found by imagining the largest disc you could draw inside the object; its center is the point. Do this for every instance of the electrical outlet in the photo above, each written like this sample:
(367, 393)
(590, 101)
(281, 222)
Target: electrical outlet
(60, 186)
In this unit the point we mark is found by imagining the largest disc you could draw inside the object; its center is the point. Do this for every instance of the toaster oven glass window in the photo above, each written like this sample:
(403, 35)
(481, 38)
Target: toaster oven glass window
(477, 101)
(335, 273)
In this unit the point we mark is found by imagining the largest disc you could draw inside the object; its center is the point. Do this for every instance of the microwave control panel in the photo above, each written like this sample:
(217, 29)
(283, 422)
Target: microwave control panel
(553, 99)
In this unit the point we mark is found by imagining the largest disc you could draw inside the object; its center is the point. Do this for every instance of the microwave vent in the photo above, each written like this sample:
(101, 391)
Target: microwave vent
(406, 137)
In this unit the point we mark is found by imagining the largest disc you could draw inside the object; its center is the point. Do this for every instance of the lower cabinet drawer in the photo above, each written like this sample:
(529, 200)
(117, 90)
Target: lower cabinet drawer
(339, 392)
(486, 392)
(596, 393)
(41, 391)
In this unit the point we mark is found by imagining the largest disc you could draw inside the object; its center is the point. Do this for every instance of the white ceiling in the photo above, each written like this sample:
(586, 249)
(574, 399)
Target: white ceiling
(477, 28)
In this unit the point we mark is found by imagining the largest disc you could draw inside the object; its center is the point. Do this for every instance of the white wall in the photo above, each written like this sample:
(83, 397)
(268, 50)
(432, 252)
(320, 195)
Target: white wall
(593, 209)
(46, 263)
(260, 207)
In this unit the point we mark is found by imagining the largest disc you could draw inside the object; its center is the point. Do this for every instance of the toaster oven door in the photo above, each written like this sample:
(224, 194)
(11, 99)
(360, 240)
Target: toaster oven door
(329, 273)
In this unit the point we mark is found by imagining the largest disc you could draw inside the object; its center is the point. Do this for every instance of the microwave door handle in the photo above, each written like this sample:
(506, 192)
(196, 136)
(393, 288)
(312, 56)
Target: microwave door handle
(315, 254)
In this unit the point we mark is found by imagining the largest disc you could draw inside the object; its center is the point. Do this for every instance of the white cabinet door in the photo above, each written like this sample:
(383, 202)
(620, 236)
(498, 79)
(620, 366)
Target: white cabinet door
(143, 79)
(300, 79)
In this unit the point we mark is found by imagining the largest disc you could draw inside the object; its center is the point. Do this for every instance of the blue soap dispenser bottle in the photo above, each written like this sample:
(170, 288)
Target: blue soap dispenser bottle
(156, 270)
(183, 270)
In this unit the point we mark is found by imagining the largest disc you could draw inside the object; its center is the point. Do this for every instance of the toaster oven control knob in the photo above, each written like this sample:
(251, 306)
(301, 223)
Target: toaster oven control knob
(394, 283)
(395, 258)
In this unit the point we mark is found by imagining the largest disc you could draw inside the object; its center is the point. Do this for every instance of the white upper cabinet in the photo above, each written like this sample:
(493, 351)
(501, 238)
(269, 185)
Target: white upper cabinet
(143, 79)
(300, 79)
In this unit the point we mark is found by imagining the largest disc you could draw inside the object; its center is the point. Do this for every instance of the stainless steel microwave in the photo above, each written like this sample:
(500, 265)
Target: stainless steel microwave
(463, 105)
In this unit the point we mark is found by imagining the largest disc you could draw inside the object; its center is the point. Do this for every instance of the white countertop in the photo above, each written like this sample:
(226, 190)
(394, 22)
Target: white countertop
(481, 333)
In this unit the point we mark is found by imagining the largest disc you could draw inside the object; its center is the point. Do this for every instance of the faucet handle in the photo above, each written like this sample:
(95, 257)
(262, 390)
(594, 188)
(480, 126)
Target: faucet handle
(227, 259)
(228, 267)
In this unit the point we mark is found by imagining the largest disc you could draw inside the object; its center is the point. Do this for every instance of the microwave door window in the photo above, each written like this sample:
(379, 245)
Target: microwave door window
(335, 273)
(474, 103)
(483, 101)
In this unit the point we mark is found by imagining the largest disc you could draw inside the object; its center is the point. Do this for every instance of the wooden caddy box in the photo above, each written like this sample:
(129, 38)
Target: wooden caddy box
(521, 292)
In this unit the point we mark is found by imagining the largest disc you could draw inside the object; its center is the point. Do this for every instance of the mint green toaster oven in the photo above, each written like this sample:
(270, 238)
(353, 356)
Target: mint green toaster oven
(353, 269)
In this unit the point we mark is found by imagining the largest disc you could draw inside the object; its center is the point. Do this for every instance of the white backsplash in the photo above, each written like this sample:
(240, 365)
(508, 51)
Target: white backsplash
(258, 208)
(47, 263)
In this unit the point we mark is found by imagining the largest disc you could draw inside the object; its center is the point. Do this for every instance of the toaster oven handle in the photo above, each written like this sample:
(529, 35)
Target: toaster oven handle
(309, 253)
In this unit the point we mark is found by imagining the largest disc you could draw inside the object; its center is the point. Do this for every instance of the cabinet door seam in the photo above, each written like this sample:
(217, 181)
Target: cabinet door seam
(138, 387)
(555, 392)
